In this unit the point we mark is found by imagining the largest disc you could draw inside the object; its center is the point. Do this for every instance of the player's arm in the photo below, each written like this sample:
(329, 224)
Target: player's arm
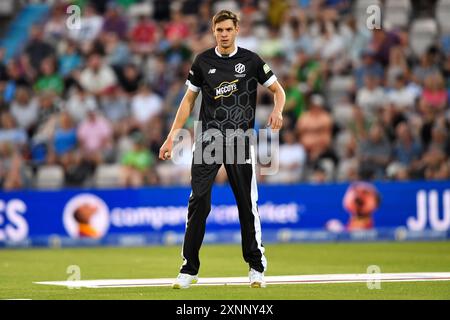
(279, 97)
(184, 110)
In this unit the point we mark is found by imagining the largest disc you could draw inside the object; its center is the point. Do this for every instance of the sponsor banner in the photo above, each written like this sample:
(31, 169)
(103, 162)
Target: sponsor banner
(132, 217)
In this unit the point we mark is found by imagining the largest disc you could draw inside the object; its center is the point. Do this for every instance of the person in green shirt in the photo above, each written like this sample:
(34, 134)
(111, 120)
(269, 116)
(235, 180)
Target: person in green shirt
(295, 100)
(309, 72)
(49, 80)
(136, 163)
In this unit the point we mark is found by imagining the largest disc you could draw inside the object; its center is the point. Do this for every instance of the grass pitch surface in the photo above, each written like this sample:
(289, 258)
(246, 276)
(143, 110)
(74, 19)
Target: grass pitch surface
(20, 268)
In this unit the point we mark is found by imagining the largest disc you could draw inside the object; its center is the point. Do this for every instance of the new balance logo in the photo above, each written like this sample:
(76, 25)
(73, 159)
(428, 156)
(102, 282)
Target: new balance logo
(211, 71)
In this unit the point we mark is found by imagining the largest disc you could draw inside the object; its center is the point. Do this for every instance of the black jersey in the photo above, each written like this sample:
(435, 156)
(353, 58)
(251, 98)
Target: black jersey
(228, 85)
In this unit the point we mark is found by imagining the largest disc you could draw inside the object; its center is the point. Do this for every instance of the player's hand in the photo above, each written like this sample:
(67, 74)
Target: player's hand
(165, 152)
(275, 120)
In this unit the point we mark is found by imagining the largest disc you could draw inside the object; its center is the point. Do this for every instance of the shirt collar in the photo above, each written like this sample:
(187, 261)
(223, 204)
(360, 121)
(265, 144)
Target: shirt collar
(231, 54)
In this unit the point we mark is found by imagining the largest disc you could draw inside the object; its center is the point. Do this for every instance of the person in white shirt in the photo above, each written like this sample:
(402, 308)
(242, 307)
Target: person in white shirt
(24, 109)
(145, 105)
(401, 96)
(97, 77)
(79, 103)
(370, 97)
(290, 158)
(90, 26)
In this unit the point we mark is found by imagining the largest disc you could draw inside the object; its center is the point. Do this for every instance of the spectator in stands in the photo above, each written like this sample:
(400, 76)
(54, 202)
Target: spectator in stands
(407, 149)
(79, 102)
(98, 77)
(295, 36)
(434, 95)
(397, 66)
(144, 36)
(177, 28)
(356, 41)
(136, 163)
(64, 136)
(315, 128)
(10, 132)
(295, 100)
(11, 167)
(114, 22)
(177, 51)
(246, 37)
(116, 50)
(401, 96)
(55, 28)
(329, 45)
(436, 166)
(37, 48)
(374, 154)
(279, 64)
(49, 80)
(15, 78)
(440, 139)
(371, 97)
(95, 138)
(48, 107)
(271, 45)
(161, 76)
(43, 130)
(425, 68)
(145, 105)
(70, 60)
(348, 165)
(369, 67)
(382, 43)
(276, 12)
(291, 158)
(308, 72)
(91, 25)
(130, 78)
(116, 109)
(24, 108)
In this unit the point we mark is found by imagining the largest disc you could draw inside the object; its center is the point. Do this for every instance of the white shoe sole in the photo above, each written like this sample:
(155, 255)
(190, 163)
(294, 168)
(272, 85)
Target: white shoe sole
(179, 286)
(257, 284)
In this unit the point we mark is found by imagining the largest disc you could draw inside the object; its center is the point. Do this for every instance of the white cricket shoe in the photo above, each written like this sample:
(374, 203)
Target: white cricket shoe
(184, 281)
(256, 279)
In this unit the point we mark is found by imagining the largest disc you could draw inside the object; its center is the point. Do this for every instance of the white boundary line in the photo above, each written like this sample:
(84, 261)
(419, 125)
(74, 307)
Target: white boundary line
(270, 280)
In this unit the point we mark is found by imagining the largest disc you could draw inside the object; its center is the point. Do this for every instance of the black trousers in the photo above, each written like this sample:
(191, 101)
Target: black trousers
(242, 179)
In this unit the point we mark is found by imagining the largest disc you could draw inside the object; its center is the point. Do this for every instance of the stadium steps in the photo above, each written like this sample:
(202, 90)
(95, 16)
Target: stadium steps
(17, 33)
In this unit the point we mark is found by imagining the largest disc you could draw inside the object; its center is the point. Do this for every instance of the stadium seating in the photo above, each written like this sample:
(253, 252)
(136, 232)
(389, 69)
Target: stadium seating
(443, 16)
(423, 33)
(107, 175)
(50, 177)
(397, 12)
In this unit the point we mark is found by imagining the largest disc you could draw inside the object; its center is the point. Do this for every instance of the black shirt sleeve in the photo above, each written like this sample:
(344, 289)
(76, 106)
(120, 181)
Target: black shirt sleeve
(195, 78)
(264, 73)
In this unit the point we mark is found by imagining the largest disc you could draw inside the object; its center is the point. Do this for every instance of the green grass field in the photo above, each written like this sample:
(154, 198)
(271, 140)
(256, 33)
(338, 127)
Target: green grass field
(20, 268)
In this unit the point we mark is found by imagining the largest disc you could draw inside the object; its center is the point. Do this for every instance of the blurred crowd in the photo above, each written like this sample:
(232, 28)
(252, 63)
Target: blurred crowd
(360, 104)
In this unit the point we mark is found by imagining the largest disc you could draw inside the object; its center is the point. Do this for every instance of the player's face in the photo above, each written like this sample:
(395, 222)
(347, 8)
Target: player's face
(225, 33)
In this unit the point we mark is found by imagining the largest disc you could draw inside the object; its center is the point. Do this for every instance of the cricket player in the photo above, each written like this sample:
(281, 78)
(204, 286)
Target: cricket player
(228, 77)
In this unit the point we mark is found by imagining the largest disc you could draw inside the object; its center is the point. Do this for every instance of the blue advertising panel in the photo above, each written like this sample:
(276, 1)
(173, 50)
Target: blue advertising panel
(157, 215)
